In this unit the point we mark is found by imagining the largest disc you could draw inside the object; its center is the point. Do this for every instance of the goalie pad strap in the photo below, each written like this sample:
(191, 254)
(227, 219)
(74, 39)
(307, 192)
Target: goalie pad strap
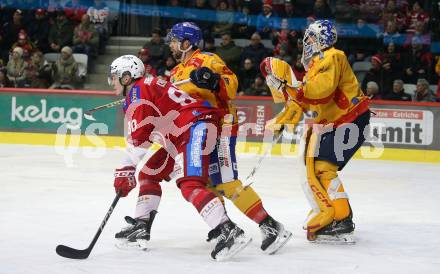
(332, 190)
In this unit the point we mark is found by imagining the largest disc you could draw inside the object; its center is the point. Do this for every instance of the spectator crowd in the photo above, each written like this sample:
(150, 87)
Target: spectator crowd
(393, 36)
(28, 32)
(393, 40)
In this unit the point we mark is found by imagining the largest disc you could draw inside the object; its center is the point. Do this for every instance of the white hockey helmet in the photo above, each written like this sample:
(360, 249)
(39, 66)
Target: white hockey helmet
(127, 65)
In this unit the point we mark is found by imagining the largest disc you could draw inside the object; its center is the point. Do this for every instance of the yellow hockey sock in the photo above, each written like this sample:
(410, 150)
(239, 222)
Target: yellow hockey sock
(244, 198)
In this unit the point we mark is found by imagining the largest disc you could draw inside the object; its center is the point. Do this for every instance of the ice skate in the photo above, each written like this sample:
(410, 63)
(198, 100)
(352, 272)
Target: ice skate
(214, 234)
(274, 235)
(231, 240)
(338, 232)
(137, 234)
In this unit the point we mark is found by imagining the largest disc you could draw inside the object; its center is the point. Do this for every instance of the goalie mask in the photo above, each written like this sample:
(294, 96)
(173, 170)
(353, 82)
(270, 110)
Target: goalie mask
(320, 35)
(278, 74)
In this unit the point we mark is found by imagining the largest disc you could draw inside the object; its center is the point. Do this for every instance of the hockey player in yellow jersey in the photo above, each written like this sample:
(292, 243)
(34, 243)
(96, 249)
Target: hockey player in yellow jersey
(212, 80)
(331, 93)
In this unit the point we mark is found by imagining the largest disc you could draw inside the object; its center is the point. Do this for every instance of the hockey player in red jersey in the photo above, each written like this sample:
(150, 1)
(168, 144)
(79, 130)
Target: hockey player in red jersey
(187, 129)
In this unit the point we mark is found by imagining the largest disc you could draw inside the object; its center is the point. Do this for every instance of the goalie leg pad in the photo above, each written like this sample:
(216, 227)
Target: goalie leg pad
(316, 194)
(326, 173)
(244, 198)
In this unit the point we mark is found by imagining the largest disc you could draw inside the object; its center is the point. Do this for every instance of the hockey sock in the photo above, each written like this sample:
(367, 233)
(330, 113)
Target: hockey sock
(207, 204)
(217, 193)
(150, 193)
(246, 199)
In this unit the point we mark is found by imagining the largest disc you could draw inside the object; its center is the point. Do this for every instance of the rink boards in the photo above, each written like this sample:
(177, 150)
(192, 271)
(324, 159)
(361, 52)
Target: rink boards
(400, 131)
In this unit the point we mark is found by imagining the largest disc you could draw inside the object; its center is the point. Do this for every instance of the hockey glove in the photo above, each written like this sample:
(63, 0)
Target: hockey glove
(205, 78)
(125, 180)
(289, 117)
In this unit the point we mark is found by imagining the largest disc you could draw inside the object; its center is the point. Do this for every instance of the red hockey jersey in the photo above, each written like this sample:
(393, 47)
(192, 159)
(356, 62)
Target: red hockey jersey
(157, 111)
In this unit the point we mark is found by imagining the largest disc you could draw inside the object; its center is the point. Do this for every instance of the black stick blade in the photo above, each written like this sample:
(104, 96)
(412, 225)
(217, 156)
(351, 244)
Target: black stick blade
(71, 253)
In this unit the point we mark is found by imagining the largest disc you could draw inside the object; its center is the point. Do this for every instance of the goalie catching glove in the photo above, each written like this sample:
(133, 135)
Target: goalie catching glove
(279, 78)
(125, 180)
(289, 117)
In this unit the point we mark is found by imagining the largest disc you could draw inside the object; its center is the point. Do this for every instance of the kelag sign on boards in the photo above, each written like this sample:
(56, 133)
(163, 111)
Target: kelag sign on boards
(46, 112)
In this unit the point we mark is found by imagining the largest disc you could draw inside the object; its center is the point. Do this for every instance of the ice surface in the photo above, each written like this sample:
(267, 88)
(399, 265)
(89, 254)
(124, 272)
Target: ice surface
(44, 202)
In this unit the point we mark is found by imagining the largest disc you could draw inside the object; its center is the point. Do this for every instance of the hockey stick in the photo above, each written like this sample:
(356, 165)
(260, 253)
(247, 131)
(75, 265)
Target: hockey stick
(88, 114)
(258, 165)
(72, 253)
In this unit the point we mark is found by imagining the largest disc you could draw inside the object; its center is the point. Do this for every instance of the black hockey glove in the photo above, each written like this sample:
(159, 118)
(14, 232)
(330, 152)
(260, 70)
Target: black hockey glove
(205, 78)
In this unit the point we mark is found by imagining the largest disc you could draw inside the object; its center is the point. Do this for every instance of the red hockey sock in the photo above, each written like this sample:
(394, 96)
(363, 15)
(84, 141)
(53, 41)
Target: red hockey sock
(207, 204)
(150, 193)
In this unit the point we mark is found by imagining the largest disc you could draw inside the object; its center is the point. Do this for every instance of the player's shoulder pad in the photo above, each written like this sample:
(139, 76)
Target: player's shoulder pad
(207, 53)
(176, 68)
(335, 53)
(152, 81)
(210, 56)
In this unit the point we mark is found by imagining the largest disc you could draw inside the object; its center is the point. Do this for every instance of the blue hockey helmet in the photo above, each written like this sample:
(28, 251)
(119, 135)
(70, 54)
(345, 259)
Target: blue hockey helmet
(185, 31)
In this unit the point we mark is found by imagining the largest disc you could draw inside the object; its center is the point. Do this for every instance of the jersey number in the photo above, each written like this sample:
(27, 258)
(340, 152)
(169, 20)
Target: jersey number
(180, 97)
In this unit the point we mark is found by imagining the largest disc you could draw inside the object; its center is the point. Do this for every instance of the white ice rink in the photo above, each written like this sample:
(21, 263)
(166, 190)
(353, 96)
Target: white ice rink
(43, 203)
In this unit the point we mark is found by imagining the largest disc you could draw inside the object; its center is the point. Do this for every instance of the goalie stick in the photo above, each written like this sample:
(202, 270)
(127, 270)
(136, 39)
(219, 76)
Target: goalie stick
(88, 114)
(72, 253)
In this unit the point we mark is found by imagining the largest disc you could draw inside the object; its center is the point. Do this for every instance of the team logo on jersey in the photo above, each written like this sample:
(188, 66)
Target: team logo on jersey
(196, 113)
(135, 94)
(226, 71)
(213, 169)
(148, 79)
(197, 62)
(161, 82)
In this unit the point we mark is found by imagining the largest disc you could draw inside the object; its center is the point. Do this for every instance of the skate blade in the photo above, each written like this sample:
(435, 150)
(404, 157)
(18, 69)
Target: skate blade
(126, 245)
(278, 243)
(143, 244)
(341, 239)
(229, 253)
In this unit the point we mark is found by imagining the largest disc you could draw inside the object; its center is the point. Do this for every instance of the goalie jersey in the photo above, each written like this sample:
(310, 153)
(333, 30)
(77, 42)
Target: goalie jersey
(331, 91)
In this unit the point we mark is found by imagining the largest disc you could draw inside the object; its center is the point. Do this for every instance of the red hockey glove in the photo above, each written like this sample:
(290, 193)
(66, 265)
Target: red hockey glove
(125, 180)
